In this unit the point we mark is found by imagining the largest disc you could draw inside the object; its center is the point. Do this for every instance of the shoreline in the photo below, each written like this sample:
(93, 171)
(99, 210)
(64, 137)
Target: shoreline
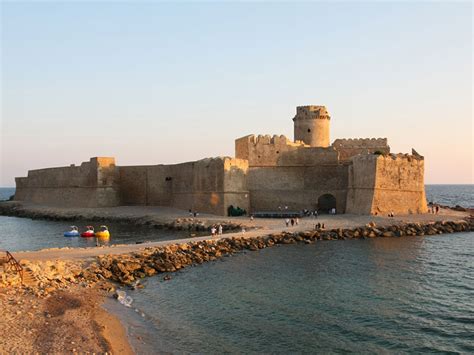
(145, 216)
(75, 274)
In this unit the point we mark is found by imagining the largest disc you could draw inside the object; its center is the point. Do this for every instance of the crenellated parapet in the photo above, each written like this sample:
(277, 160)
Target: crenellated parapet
(264, 150)
(401, 157)
(360, 143)
(277, 140)
(312, 112)
(351, 147)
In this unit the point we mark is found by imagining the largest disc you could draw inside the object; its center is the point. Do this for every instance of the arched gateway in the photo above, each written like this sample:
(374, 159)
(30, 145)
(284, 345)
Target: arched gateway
(326, 203)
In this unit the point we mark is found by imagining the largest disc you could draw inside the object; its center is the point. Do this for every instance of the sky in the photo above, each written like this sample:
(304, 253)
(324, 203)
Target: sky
(154, 82)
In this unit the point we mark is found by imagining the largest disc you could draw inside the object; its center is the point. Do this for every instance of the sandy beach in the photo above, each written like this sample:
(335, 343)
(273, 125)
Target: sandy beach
(67, 321)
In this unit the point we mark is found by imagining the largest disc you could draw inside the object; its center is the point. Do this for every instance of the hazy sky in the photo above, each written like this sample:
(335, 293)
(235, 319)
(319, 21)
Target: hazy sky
(151, 83)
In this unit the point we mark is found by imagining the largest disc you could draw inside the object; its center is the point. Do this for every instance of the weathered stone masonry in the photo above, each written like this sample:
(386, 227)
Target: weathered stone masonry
(352, 175)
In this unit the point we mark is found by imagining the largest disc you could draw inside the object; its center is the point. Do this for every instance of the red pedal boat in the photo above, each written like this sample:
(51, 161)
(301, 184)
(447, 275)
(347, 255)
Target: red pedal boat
(89, 232)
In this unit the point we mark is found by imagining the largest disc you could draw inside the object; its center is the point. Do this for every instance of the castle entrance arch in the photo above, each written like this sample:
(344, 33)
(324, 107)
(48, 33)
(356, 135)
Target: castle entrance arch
(326, 203)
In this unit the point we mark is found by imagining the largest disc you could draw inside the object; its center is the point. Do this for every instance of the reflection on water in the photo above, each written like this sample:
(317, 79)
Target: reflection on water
(411, 294)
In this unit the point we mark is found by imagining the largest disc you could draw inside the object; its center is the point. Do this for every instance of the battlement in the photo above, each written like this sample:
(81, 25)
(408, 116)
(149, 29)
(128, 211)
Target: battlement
(263, 147)
(360, 143)
(312, 112)
(351, 147)
(390, 157)
(272, 140)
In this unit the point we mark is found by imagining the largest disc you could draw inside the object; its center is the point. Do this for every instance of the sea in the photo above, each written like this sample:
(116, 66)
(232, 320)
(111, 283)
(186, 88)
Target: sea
(383, 295)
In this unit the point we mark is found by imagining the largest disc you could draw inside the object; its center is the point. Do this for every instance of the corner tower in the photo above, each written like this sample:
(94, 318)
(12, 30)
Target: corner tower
(311, 125)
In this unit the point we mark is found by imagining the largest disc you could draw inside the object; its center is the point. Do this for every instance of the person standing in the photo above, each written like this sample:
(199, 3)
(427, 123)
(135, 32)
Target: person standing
(287, 221)
(219, 229)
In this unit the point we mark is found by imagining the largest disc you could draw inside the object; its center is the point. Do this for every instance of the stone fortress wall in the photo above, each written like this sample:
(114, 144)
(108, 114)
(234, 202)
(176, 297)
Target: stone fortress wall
(292, 174)
(353, 175)
(208, 185)
(92, 184)
(379, 184)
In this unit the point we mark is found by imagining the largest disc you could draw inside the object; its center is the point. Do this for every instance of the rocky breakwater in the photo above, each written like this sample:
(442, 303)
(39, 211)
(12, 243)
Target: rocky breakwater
(44, 277)
(127, 269)
(13, 209)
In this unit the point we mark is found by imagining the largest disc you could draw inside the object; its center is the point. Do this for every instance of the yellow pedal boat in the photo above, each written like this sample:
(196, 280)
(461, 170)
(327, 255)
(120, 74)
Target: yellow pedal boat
(103, 233)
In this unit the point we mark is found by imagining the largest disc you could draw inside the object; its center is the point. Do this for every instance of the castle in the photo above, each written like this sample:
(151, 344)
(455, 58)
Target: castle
(358, 176)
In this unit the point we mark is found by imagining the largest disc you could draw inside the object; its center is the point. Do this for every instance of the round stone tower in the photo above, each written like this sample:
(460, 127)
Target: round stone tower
(311, 125)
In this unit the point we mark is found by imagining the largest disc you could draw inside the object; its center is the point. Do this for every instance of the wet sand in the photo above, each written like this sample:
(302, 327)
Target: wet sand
(65, 322)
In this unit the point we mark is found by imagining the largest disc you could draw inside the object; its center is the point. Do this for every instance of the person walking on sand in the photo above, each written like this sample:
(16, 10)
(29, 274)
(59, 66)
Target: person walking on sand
(292, 222)
(297, 220)
(287, 221)
(213, 231)
(219, 229)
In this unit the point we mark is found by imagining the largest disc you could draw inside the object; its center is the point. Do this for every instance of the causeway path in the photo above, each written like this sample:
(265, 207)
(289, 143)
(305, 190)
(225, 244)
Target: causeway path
(265, 227)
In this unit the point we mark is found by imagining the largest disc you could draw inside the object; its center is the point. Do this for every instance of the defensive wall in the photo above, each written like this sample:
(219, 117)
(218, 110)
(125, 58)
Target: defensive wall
(292, 174)
(208, 185)
(380, 184)
(92, 184)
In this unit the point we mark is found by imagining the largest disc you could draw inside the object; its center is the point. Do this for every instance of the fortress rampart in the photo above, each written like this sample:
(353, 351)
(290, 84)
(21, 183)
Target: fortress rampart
(349, 148)
(380, 184)
(208, 185)
(351, 175)
(92, 184)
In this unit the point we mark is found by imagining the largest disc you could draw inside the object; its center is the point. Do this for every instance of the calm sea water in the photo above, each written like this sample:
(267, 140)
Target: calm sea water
(400, 295)
(26, 234)
(451, 195)
(371, 296)
(6, 192)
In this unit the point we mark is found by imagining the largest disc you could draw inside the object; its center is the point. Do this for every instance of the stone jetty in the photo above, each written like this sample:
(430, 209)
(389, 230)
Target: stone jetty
(44, 277)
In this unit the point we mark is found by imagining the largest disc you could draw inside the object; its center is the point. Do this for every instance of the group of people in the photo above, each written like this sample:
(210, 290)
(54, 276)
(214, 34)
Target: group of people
(309, 213)
(292, 221)
(216, 230)
(433, 209)
(319, 226)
